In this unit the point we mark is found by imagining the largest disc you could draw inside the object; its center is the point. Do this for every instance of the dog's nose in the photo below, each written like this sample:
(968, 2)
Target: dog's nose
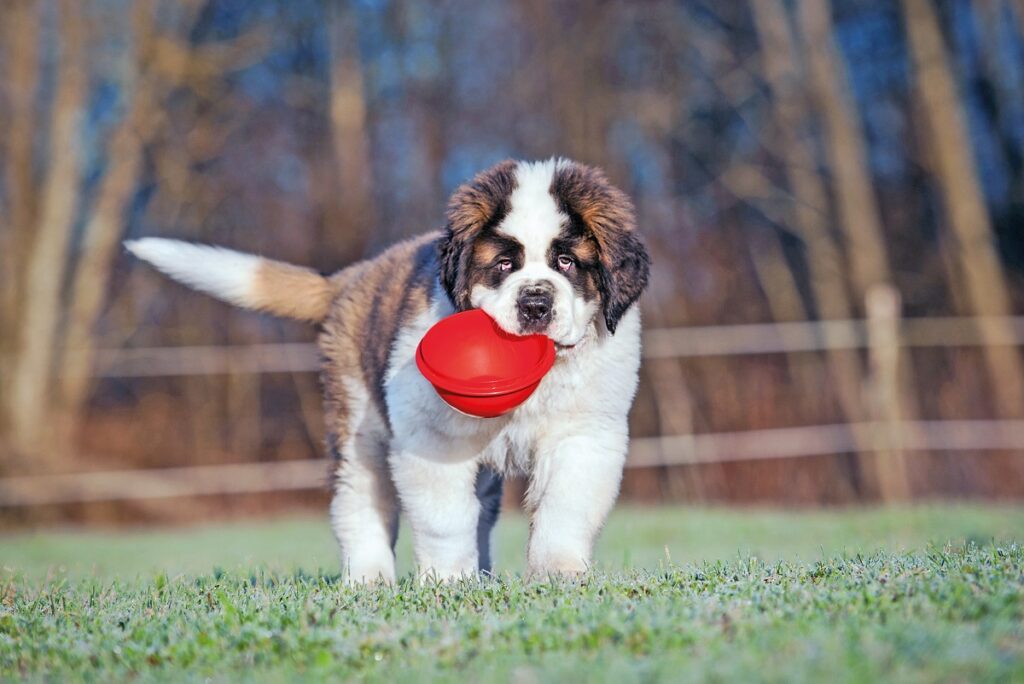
(535, 304)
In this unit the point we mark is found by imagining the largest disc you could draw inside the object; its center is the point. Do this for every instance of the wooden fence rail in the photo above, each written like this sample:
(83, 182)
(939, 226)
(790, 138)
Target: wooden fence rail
(725, 340)
(770, 338)
(747, 445)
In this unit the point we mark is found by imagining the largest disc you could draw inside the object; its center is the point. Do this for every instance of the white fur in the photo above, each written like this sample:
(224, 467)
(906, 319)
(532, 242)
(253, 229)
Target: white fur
(535, 220)
(364, 510)
(571, 317)
(222, 273)
(438, 496)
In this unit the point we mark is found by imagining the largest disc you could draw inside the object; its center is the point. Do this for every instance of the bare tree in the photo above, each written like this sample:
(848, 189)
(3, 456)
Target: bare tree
(32, 374)
(783, 297)
(858, 210)
(106, 223)
(571, 50)
(998, 74)
(810, 203)
(860, 217)
(159, 64)
(961, 191)
(351, 215)
(21, 37)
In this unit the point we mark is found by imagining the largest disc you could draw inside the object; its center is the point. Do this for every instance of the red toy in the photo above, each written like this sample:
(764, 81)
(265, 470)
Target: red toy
(480, 369)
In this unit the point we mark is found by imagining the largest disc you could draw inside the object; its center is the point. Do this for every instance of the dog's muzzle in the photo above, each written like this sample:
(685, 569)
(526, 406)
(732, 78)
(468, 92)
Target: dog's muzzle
(535, 306)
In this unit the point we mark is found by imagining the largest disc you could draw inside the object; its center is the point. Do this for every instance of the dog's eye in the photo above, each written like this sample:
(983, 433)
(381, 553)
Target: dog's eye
(504, 264)
(565, 262)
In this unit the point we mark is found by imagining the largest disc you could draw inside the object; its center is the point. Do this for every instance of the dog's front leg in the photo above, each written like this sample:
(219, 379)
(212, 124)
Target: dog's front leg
(573, 486)
(439, 498)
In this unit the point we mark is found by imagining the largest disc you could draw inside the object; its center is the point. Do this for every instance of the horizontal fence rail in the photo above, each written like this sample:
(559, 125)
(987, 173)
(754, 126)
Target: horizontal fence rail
(719, 340)
(806, 336)
(688, 342)
(747, 445)
(159, 483)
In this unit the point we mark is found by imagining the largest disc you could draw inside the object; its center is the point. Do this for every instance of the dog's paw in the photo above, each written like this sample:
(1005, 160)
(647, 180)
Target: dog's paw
(370, 575)
(557, 566)
(432, 575)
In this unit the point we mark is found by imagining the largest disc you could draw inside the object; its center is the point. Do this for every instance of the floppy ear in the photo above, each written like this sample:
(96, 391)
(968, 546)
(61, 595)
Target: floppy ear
(454, 254)
(624, 269)
(607, 213)
(473, 207)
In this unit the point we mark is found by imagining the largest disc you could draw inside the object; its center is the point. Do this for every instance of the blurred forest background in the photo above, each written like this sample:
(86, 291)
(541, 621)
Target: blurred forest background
(791, 160)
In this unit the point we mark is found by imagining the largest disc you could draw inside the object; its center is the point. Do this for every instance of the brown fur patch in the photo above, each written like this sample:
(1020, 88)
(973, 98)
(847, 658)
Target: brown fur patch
(488, 249)
(585, 251)
(576, 241)
(473, 208)
(291, 291)
(375, 300)
(486, 252)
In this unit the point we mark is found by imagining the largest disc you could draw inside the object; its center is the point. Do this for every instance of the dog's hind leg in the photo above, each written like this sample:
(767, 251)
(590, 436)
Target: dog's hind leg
(364, 510)
(488, 493)
(364, 513)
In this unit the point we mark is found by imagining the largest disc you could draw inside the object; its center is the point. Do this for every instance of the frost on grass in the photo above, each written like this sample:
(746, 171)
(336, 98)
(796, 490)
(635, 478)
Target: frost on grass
(945, 613)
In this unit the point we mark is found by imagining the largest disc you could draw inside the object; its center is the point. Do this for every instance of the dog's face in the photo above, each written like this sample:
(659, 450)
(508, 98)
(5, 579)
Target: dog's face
(548, 247)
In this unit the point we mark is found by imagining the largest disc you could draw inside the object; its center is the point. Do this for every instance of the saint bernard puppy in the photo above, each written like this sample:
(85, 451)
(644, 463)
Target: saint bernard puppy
(547, 247)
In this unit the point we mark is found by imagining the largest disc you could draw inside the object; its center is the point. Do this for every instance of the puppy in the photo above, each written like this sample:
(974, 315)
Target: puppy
(547, 247)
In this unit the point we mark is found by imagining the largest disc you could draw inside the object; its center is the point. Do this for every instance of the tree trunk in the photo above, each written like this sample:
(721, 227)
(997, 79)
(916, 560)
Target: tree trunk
(784, 304)
(22, 38)
(102, 236)
(32, 375)
(1000, 72)
(104, 229)
(964, 202)
(860, 217)
(351, 214)
(810, 200)
(858, 210)
(571, 48)
(21, 34)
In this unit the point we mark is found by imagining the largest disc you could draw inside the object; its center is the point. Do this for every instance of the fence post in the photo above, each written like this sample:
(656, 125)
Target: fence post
(882, 304)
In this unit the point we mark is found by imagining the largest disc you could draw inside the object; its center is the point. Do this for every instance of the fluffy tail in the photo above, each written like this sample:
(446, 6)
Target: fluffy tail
(244, 280)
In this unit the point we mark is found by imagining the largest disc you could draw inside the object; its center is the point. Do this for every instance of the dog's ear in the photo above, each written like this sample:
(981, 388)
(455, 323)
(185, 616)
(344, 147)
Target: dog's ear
(455, 253)
(473, 208)
(607, 213)
(625, 270)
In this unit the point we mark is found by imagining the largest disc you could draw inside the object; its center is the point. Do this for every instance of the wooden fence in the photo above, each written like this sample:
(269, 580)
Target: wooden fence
(884, 436)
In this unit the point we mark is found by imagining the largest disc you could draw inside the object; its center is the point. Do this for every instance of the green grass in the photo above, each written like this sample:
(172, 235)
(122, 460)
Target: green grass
(633, 538)
(916, 594)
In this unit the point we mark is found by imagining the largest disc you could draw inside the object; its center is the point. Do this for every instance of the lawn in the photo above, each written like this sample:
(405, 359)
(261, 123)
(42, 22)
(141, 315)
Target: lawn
(931, 593)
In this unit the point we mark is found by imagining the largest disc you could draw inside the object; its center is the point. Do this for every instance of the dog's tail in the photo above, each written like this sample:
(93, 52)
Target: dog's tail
(244, 280)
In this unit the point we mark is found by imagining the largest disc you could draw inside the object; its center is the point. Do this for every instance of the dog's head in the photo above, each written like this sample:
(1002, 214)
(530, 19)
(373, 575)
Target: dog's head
(547, 247)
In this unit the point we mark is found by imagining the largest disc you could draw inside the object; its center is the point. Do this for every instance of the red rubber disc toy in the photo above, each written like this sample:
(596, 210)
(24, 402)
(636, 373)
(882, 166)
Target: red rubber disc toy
(478, 368)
